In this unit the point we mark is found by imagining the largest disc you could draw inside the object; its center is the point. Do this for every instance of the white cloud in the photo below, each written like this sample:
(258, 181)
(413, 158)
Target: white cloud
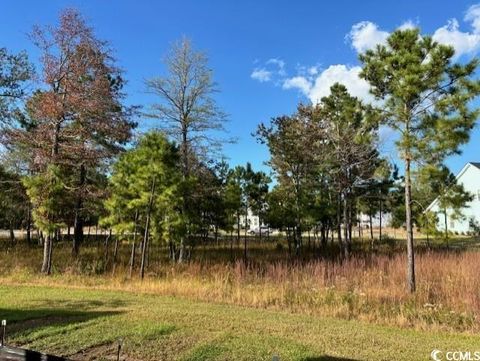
(342, 74)
(315, 83)
(313, 70)
(279, 62)
(462, 42)
(408, 25)
(272, 69)
(261, 74)
(298, 82)
(366, 35)
(473, 16)
(317, 88)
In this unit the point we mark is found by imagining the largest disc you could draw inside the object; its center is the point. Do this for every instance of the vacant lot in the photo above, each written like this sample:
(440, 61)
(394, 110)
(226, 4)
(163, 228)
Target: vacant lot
(216, 308)
(86, 324)
(368, 287)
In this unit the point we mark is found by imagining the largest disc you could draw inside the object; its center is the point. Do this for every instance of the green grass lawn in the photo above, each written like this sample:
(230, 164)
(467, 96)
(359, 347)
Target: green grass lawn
(86, 324)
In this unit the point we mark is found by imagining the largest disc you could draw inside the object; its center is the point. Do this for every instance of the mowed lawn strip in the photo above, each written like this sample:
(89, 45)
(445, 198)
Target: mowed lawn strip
(87, 324)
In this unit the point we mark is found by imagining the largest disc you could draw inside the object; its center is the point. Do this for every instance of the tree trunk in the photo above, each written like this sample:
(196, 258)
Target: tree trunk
(182, 252)
(409, 226)
(371, 226)
(132, 256)
(380, 225)
(328, 230)
(144, 247)
(147, 256)
(238, 229)
(29, 225)
(147, 228)
(289, 242)
(185, 175)
(47, 255)
(260, 228)
(47, 243)
(132, 260)
(350, 223)
(115, 254)
(50, 253)
(245, 260)
(298, 238)
(78, 223)
(345, 225)
(323, 235)
(359, 229)
(339, 220)
(105, 255)
(231, 245)
(445, 217)
(12, 233)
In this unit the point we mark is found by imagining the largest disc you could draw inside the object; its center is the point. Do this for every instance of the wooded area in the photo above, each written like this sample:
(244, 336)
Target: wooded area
(72, 157)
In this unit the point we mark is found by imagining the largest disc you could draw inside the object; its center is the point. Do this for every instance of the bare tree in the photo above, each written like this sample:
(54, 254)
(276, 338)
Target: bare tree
(188, 112)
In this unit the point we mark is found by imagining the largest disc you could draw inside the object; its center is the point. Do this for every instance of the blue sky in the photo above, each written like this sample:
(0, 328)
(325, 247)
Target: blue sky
(266, 55)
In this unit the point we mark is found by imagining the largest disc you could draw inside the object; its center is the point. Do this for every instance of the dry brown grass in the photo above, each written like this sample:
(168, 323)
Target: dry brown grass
(364, 287)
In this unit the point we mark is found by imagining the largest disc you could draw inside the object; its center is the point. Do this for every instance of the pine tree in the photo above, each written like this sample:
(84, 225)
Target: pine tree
(349, 154)
(425, 98)
(145, 192)
(293, 143)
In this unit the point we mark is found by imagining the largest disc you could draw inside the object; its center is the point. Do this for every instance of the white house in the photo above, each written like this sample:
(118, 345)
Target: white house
(252, 221)
(469, 177)
(365, 220)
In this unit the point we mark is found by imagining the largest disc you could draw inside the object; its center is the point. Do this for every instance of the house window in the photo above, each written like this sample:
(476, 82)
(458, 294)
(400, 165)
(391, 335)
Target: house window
(452, 224)
(478, 194)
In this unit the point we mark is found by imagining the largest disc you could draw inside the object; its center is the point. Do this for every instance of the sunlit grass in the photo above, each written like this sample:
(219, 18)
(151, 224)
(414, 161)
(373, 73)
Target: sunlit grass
(88, 324)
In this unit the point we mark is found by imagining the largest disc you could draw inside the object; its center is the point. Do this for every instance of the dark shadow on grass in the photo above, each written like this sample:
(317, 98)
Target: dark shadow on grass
(21, 321)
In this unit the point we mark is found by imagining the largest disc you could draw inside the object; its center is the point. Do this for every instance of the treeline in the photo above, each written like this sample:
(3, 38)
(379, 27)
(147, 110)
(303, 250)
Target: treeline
(72, 158)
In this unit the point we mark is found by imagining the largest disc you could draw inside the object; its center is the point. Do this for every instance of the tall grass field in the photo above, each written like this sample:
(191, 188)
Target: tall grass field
(218, 307)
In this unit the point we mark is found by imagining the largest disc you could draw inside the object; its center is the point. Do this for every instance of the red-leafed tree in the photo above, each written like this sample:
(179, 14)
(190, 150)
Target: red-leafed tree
(77, 119)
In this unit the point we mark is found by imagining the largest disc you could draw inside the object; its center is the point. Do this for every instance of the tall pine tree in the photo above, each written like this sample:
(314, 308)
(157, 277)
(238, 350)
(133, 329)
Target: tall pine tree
(425, 98)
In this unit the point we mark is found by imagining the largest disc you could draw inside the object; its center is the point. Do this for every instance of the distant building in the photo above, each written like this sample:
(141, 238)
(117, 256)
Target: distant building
(365, 220)
(252, 221)
(469, 177)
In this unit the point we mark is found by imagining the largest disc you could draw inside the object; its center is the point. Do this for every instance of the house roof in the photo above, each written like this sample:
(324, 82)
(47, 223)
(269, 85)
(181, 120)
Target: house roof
(475, 164)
